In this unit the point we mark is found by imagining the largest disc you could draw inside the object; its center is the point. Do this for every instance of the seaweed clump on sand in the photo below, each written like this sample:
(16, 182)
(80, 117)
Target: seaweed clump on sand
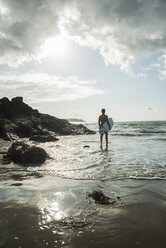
(100, 198)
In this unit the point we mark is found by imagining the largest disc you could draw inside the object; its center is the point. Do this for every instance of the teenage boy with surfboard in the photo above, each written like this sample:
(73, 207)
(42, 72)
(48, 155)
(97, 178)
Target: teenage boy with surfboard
(105, 125)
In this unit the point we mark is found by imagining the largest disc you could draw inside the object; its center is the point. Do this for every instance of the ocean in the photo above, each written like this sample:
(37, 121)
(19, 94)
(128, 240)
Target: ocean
(47, 206)
(136, 150)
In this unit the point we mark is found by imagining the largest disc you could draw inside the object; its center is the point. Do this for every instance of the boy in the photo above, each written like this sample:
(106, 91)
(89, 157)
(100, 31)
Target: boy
(102, 119)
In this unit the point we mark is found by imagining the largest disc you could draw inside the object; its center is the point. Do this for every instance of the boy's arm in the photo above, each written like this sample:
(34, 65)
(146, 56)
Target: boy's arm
(99, 122)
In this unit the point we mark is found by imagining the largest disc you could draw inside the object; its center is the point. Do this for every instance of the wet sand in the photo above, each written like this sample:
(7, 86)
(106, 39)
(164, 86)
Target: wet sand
(53, 212)
(138, 225)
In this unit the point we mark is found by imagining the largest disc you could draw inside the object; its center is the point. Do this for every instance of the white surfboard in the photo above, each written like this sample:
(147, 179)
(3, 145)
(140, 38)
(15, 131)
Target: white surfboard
(105, 128)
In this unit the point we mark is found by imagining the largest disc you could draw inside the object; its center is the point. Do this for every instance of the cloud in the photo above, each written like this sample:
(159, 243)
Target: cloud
(44, 88)
(162, 66)
(148, 108)
(154, 109)
(159, 110)
(159, 66)
(24, 27)
(121, 30)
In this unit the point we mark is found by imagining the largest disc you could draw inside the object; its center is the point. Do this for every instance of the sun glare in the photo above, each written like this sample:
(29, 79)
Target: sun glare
(55, 47)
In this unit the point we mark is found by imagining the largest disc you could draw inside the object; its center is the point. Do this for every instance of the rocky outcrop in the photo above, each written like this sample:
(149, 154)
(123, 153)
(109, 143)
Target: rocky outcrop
(15, 108)
(24, 154)
(43, 138)
(18, 120)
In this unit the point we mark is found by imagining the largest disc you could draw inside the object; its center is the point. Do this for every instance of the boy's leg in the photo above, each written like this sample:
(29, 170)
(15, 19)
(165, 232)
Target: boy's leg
(101, 139)
(106, 138)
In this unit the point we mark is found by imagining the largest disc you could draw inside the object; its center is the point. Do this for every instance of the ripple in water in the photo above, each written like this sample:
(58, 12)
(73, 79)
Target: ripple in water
(126, 157)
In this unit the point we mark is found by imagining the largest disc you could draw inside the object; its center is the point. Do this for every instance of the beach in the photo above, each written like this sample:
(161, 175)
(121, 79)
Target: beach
(48, 206)
(70, 71)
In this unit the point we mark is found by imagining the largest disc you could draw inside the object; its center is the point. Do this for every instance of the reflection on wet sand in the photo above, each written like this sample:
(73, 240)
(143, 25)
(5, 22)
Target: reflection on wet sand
(140, 225)
(137, 225)
(25, 225)
(57, 213)
(20, 227)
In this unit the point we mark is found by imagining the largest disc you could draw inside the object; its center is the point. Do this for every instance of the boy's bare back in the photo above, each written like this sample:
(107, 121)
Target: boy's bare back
(102, 119)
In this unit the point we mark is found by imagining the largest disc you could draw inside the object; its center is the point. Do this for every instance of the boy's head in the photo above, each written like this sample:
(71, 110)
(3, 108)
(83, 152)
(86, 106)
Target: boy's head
(103, 111)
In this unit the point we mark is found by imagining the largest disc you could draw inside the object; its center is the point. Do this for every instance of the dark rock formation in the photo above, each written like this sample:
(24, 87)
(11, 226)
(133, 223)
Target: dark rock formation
(24, 154)
(18, 120)
(15, 108)
(16, 184)
(5, 160)
(86, 146)
(43, 138)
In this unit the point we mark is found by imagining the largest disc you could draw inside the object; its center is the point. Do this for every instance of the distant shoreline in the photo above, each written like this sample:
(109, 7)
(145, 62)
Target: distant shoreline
(75, 120)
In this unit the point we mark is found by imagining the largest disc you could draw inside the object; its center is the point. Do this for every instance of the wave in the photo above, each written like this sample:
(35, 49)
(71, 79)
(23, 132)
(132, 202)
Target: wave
(113, 178)
(20, 174)
(152, 131)
(160, 139)
(138, 133)
(135, 134)
(130, 134)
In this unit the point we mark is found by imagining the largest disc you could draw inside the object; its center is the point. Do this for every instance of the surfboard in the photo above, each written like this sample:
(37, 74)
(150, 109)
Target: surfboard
(105, 127)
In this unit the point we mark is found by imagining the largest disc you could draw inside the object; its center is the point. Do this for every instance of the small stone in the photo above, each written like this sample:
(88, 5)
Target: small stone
(16, 184)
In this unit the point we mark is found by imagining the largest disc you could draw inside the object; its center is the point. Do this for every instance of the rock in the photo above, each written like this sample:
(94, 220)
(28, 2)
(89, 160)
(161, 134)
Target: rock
(3, 152)
(5, 111)
(81, 129)
(99, 197)
(7, 129)
(43, 138)
(86, 146)
(5, 160)
(24, 154)
(16, 184)
(18, 120)
(24, 128)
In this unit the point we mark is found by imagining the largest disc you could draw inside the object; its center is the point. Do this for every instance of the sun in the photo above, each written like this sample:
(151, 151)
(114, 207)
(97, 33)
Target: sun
(55, 47)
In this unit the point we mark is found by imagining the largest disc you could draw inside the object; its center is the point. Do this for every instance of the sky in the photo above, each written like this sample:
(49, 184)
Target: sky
(71, 58)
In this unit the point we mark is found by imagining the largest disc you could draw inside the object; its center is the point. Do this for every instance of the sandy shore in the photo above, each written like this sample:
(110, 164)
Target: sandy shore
(46, 211)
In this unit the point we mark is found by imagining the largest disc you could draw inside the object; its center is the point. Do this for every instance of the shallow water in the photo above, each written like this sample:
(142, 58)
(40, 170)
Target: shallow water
(136, 150)
(47, 206)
